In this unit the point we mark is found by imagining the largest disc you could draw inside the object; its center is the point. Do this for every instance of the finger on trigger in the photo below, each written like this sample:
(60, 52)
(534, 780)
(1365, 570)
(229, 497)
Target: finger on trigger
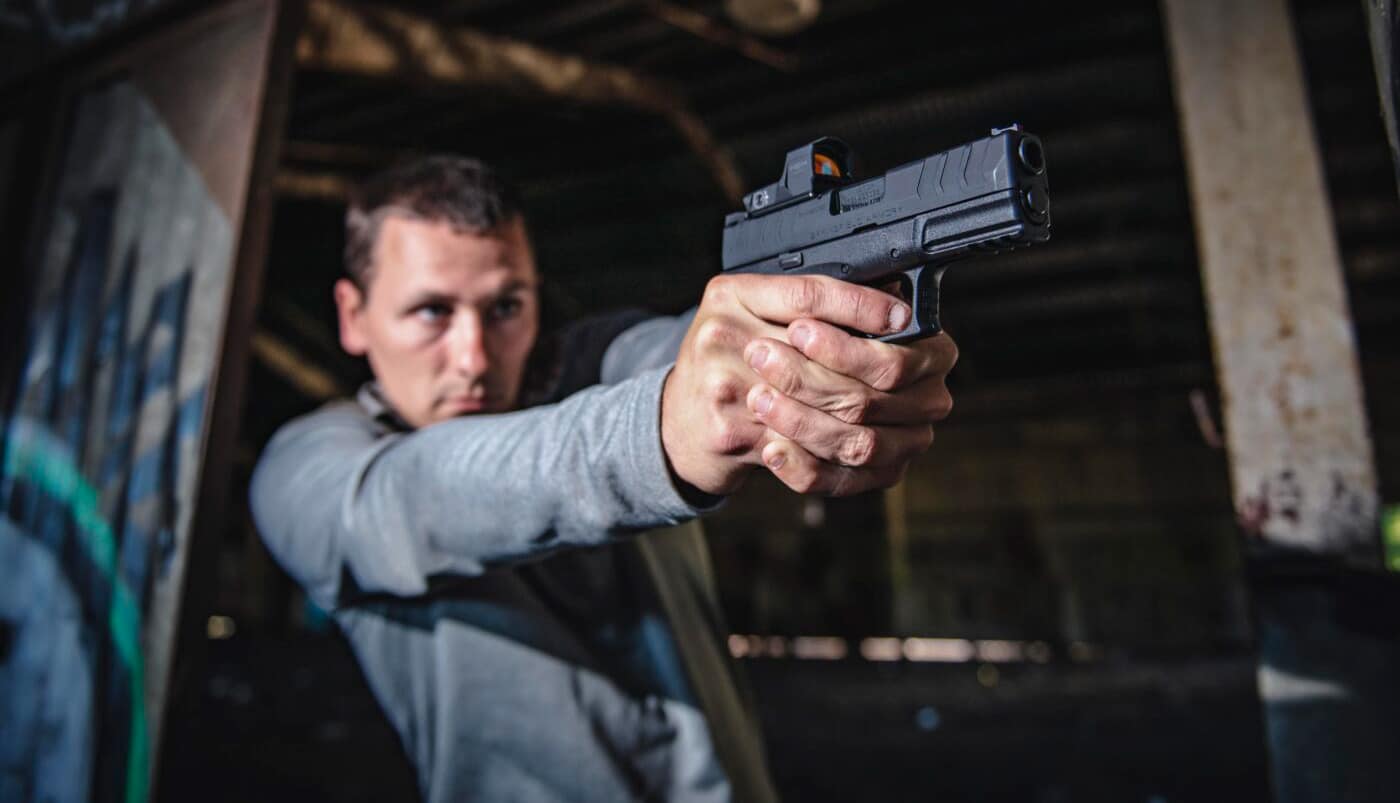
(783, 299)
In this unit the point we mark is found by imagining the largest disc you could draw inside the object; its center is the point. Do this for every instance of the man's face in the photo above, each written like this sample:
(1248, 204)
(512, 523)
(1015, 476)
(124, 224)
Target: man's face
(448, 317)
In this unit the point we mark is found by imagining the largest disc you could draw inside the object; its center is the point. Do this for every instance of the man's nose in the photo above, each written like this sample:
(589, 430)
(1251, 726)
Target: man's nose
(468, 345)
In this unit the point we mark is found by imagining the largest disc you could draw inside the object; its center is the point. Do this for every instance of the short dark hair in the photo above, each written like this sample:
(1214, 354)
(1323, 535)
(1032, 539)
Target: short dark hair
(463, 192)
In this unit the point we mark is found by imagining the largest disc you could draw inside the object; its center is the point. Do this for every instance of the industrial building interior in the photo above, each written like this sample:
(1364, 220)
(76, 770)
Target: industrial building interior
(1054, 604)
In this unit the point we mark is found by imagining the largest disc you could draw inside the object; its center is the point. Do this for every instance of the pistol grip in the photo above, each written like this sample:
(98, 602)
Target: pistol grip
(919, 286)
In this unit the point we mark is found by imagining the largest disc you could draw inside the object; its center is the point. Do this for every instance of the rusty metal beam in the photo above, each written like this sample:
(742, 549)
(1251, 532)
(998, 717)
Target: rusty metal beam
(298, 370)
(1272, 270)
(564, 20)
(1301, 464)
(318, 186)
(387, 43)
(701, 26)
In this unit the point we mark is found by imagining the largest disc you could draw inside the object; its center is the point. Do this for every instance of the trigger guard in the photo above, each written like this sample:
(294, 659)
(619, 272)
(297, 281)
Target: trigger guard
(923, 286)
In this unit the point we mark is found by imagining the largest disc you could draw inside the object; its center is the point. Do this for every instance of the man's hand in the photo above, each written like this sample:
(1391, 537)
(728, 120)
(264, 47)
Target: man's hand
(848, 413)
(844, 413)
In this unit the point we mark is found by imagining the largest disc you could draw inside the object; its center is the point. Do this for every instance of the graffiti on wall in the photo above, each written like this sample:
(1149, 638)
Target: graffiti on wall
(101, 451)
(70, 22)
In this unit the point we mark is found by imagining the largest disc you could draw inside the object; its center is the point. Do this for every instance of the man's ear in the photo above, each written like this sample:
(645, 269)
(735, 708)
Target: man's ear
(349, 307)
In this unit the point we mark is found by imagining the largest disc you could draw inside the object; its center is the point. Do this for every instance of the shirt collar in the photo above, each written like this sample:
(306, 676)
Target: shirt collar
(371, 400)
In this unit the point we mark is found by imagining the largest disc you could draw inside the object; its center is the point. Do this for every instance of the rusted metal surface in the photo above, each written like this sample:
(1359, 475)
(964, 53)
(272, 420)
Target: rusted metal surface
(384, 42)
(1295, 424)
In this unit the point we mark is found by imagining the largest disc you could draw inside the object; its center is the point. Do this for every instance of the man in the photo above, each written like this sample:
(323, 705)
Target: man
(473, 518)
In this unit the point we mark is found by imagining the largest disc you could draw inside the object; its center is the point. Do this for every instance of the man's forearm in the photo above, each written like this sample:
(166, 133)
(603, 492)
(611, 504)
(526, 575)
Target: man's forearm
(462, 495)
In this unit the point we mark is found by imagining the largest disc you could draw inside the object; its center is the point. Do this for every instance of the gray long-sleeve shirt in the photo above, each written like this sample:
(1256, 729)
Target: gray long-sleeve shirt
(522, 638)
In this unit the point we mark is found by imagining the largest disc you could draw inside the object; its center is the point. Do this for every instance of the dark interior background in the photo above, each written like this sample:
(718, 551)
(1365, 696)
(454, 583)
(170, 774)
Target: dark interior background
(1072, 506)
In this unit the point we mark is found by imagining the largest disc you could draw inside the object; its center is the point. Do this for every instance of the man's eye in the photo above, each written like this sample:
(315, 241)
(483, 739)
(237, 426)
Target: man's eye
(506, 308)
(432, 313)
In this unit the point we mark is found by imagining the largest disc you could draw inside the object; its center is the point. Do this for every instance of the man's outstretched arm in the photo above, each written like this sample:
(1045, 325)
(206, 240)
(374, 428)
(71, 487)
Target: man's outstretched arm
(461, 495)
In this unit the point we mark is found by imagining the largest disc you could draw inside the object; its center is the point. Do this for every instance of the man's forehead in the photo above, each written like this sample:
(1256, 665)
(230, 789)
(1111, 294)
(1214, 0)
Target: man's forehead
(415, 250)
(398, 232)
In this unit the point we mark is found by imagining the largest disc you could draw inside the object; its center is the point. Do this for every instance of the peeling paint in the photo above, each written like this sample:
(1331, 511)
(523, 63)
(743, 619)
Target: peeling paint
(1331, 516)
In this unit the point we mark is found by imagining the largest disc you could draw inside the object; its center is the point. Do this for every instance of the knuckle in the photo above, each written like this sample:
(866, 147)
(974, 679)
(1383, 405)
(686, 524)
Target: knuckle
(727, 438)
(845, 409)
(873, 307)
(711, 334)
(940, 405)
(803, 295)
(819, 343)
(860, 303)
(890, 373)
(855, 409)
(718, 290)
(782, 374)
(859, 447)
(721, 390)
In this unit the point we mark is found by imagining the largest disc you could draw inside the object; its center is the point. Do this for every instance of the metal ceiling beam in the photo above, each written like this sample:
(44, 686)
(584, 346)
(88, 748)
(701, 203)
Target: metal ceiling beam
(387, 43)
(564, 20)
(623, 36)
(302, 373)
(314, 186)
(701, 26)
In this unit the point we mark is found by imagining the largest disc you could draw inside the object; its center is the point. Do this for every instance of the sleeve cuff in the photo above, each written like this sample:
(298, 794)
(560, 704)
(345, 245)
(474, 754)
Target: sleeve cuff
(669, 496)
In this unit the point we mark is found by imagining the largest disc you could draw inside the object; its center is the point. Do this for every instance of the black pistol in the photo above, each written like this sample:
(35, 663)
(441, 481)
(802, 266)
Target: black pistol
(897, 231)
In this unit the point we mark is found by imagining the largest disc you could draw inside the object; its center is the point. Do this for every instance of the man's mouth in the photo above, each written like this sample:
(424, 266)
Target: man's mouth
(460, 405)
